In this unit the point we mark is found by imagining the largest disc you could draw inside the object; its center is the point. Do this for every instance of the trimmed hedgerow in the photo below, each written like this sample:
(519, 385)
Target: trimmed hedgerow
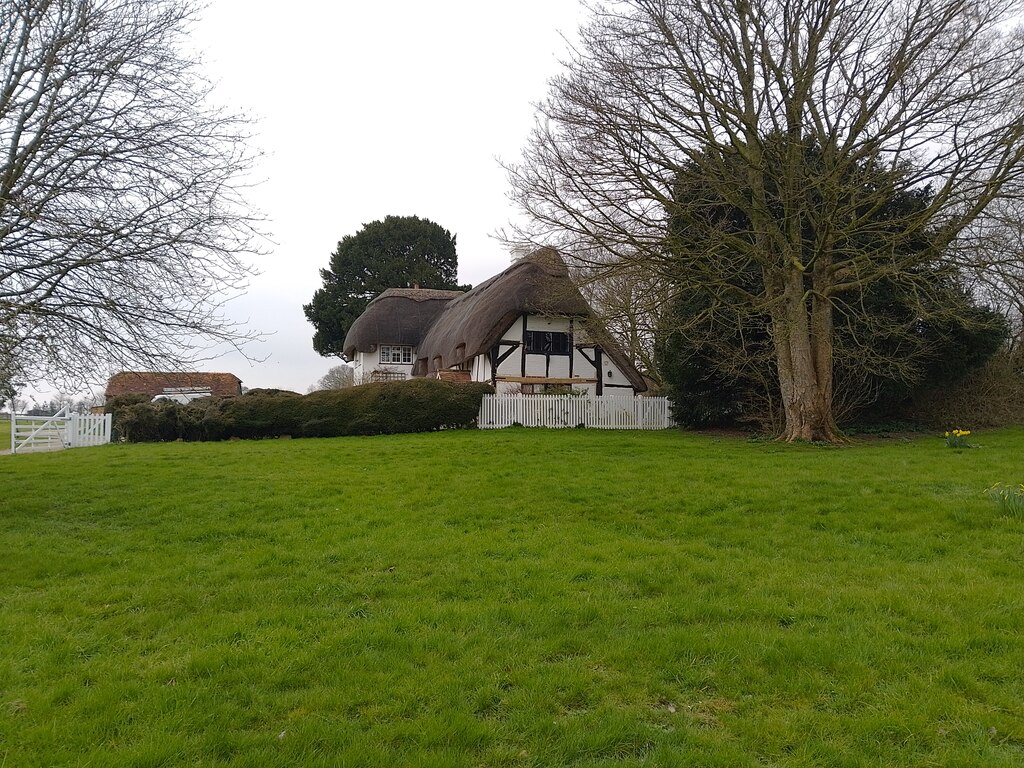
(203, 419)
(131, 424)
(261, 414)
(145, 422)
(417, 405)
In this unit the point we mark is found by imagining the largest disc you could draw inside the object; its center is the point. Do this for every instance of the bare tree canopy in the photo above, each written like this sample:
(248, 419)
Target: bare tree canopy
(806, 116)
(338, 377)
(122, 226)
(631, 302)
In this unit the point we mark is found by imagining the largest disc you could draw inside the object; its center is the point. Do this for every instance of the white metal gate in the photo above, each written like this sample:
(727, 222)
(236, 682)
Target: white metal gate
(62, 430)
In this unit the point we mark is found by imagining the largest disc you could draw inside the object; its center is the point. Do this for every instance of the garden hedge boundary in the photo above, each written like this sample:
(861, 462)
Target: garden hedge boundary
(415, 405)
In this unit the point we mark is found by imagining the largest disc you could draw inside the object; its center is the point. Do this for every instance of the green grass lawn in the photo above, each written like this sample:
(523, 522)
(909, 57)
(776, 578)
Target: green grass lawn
(512, 598)
(5, 435)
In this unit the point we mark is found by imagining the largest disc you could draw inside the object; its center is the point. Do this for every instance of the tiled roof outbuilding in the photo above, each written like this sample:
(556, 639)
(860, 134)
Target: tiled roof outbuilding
(153, 383)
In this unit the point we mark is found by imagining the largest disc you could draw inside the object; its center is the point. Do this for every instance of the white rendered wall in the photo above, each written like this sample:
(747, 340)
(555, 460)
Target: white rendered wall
(366, 363)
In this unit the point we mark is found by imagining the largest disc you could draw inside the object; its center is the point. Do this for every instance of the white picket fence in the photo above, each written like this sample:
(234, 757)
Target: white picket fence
(604, 412)
(62, 430)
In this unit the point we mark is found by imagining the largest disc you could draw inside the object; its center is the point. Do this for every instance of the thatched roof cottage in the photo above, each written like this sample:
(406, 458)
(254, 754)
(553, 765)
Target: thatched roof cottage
(527, 329)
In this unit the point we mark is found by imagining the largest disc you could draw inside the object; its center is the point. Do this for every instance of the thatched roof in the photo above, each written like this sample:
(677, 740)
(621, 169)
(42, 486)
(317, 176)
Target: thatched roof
(473, 322)
(153, 383)
(397, 316)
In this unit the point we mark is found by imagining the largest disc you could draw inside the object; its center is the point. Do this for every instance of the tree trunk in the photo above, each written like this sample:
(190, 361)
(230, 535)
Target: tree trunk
(802, 332)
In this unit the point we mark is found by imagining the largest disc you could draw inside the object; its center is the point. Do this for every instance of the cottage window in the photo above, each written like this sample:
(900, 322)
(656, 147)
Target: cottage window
(547, 342)
(395, 355)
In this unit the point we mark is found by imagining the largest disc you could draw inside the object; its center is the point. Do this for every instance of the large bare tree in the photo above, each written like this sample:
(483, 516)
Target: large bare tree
(122, 225)
(886, 96)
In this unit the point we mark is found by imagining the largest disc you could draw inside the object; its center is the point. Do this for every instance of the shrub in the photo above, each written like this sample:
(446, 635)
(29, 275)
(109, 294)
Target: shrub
(145, 422)
(256, 414)
(417, 405)
(990, 396)
(203, 419)
(122, 401)
(117, 406)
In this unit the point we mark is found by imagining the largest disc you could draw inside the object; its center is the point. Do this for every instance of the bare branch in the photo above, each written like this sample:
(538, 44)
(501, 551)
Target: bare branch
(123, 229)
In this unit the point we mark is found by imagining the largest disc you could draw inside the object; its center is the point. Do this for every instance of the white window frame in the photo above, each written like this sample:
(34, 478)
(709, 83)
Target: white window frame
(395, 354)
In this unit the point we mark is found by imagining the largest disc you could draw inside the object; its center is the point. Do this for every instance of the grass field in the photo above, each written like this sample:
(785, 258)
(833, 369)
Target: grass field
(512, 598)
(5, 434)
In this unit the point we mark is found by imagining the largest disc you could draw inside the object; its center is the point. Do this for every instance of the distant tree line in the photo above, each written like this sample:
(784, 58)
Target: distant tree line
(81, 405)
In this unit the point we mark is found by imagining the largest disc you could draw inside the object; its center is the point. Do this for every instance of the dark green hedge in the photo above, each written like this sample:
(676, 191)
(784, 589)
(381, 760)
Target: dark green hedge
(417, 405)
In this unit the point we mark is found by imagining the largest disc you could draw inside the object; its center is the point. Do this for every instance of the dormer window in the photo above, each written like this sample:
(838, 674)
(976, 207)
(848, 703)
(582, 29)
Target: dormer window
(393, 354)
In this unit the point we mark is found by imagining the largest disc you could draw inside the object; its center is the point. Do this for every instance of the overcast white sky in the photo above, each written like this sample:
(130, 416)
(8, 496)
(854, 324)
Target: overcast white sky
(371, 109)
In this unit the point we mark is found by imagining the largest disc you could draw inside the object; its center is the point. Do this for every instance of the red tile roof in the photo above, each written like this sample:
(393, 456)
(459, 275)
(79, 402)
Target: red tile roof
(153, 383)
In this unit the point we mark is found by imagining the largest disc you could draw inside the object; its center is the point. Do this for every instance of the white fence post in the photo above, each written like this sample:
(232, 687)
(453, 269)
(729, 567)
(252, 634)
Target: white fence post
(559, 411)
